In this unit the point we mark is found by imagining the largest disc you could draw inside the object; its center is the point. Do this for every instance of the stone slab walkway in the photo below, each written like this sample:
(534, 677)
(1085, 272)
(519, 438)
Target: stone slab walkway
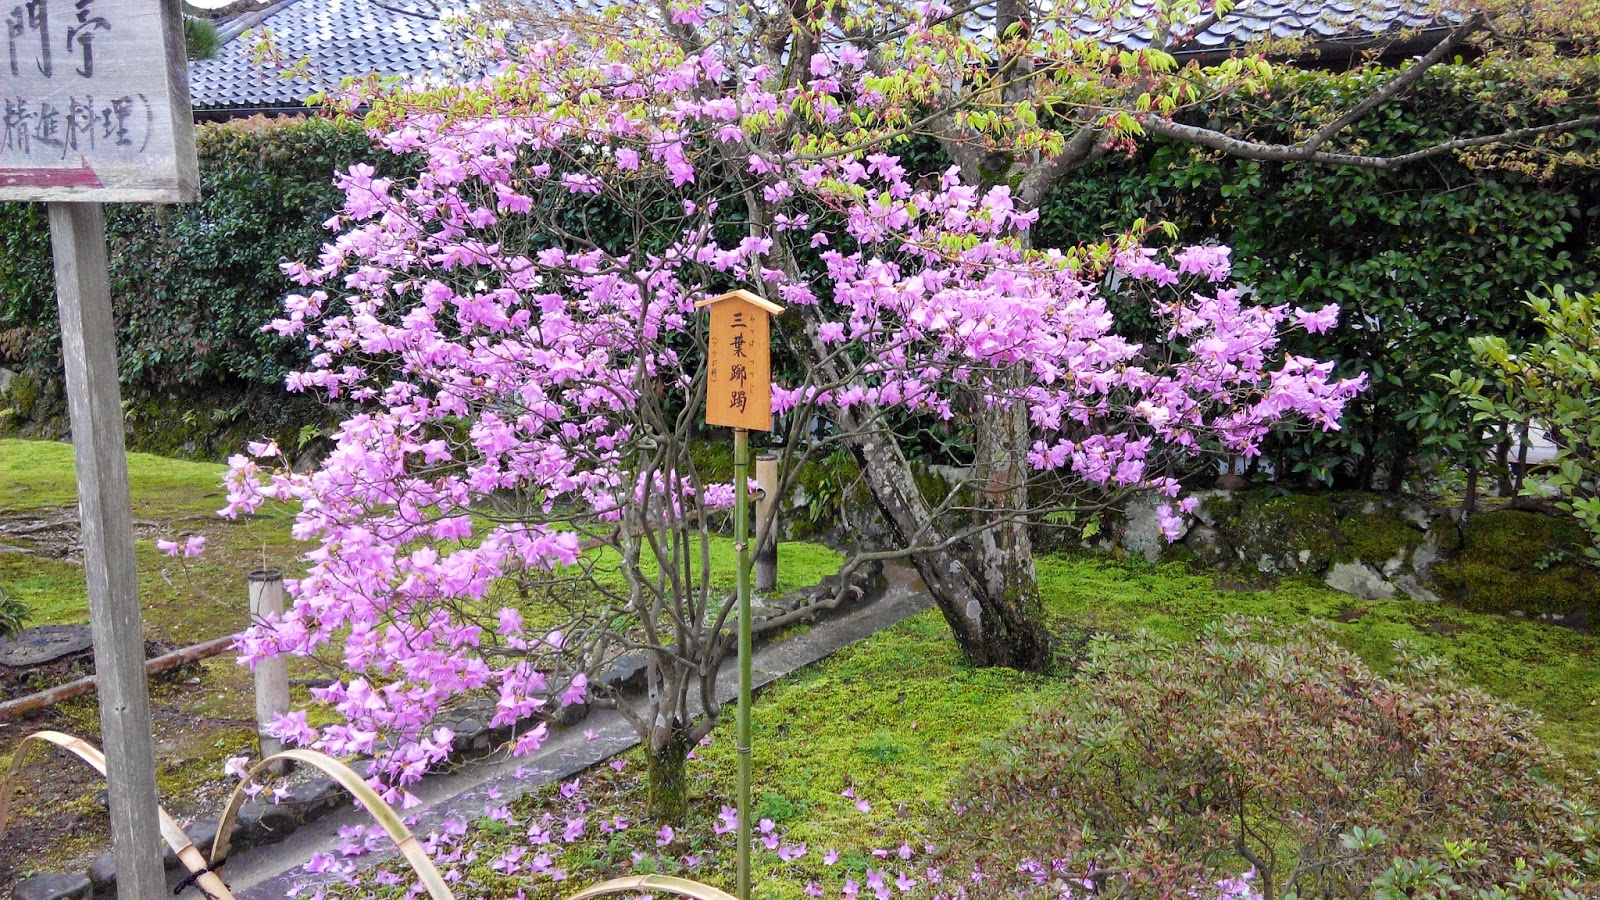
(267, 873)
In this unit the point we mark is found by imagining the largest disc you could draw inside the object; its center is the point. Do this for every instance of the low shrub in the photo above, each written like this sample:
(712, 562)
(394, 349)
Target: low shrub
(1550, 387)
(1172, 765)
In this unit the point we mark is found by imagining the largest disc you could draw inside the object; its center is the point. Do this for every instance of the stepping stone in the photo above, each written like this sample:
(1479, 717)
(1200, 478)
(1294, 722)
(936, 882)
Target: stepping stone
(54, 886)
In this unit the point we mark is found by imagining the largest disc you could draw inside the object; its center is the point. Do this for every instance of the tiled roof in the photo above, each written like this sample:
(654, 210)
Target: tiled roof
(1331, 21)
(356, 37)
(340, 38)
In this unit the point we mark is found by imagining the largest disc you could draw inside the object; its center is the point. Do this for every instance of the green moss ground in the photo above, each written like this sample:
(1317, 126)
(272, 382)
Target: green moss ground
(1548, 669)
(895, 718)
(1516, 560)
(39, 474)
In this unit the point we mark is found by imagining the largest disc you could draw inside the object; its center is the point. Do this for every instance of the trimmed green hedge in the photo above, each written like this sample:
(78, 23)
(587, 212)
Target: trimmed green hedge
(193, 284)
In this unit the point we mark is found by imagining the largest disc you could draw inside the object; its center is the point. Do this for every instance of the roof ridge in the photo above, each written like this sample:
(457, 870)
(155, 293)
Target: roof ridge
(241, 24)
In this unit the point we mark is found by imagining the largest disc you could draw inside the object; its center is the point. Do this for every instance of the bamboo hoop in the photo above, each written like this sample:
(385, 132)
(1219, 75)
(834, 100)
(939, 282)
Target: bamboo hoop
(175, 837)
(381, 812)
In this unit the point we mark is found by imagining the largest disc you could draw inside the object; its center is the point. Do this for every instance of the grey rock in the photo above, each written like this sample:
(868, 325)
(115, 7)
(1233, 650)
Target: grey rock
(262, 823)
(313, 798)
(1419, 514)
(1577, 620)
(1359, 580)
(204, 835)
(54, 886)
(472, 736)
(1392, 567)
(103, 874)
(1266, 565)
(1426, 554)
(866, 582)
(6, 377)
(568, 716)
(1411, 587)
(46, 643)
(1210, 547)
(626, 671)
(1141, 533)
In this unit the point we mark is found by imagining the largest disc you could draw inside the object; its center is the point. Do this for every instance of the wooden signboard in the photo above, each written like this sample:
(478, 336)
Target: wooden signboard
(94, 102)
(739, 360)
(94, 108)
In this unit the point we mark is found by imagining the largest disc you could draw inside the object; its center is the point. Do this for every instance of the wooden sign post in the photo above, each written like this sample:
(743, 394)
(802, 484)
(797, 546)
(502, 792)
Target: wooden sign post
(94, 108)
(739, 395)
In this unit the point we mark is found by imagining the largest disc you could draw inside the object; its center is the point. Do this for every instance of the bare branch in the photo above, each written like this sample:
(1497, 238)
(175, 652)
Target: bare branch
(1247, 149)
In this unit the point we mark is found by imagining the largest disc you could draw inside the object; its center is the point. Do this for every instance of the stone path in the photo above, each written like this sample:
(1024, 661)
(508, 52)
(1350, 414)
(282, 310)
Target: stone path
(266, 873)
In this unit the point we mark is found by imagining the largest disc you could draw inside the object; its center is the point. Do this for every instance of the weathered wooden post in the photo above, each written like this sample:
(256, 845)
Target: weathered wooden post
(739, 396)
(96, 98)
(272, 674)
(767, 522)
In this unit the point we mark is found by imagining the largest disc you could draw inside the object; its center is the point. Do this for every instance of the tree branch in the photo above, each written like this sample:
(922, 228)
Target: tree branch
(1401, 82)
(1246, 149)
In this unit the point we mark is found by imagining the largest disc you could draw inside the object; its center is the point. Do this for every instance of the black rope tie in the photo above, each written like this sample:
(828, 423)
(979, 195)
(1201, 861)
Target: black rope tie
(194, 880)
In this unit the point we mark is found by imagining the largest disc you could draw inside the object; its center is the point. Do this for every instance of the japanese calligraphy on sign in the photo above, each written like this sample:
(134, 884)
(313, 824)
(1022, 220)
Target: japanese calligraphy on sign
(94, 102)
(739, 360)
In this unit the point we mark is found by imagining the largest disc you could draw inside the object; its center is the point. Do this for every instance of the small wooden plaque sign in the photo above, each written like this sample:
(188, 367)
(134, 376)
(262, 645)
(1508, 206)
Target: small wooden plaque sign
(94, 102)
(739, 361)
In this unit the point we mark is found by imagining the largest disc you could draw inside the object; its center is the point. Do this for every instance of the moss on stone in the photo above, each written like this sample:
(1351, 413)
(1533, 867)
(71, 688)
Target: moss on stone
(1377, 536)
(930, 484)
(22, 396)
(1512, 560)
(1282, 528)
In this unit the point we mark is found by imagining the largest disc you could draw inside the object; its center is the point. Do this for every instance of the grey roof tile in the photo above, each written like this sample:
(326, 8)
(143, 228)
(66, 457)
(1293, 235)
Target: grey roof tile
(344, 38)
(340, 38)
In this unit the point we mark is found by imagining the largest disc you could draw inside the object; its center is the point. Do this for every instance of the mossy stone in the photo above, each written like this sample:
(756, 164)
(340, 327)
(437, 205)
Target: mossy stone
(1376, 537)
(1516, 561)
(1292, 533)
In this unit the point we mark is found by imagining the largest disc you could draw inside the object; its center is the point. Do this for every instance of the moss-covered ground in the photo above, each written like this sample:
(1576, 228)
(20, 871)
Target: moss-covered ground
(894, 719)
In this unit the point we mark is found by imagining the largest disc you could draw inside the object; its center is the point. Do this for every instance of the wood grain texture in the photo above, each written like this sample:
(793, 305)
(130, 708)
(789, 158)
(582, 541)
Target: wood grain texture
(94, 404)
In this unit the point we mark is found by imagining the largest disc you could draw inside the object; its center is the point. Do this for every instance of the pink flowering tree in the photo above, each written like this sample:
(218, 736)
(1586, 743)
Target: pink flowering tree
(775, 102)
(513, 505)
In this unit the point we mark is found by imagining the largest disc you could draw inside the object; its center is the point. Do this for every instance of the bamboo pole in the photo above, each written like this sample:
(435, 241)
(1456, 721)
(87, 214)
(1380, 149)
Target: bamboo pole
(741, 543)
(22, 706)
(272, 674)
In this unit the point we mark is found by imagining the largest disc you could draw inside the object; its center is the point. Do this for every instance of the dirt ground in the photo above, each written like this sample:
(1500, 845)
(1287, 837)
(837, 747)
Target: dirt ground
(203, 713)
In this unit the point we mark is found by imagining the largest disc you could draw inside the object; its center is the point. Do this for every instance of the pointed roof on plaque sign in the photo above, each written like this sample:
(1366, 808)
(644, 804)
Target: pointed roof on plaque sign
(742, 294)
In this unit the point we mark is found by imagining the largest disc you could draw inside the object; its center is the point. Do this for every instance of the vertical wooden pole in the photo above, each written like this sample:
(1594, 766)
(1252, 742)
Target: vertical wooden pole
(767, 522)
(741, 543)
(94, 402)
(272, 674)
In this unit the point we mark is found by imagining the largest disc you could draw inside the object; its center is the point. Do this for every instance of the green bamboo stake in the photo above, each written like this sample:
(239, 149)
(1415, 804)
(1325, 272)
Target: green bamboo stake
(741, 544)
